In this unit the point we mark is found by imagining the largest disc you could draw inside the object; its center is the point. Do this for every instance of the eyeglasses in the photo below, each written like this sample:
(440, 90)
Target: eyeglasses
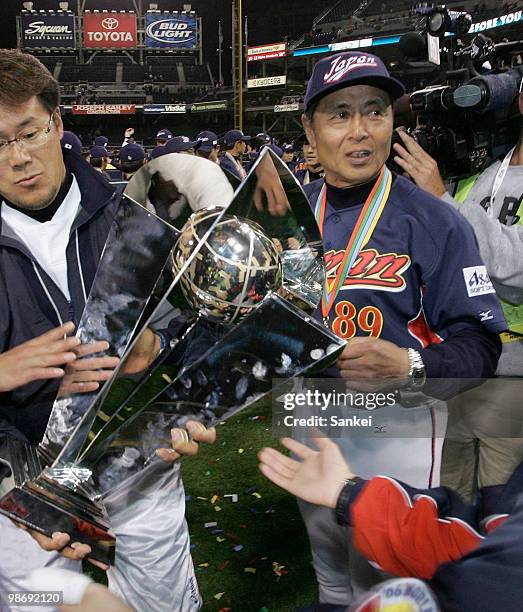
(30, 140)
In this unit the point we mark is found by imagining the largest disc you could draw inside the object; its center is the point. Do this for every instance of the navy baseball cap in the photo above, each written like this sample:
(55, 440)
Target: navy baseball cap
(98, 151)
(234, 136)
(158, 152)
(178, 144)
(263, 137)
(288, 148)
(207, 141)
(71, 141)
(132, 152)
(164, 135)
(347, 69)
(101, 141)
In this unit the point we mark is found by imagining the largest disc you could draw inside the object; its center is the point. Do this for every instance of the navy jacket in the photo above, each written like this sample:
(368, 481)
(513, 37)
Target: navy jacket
(31, 303)
(227, 164)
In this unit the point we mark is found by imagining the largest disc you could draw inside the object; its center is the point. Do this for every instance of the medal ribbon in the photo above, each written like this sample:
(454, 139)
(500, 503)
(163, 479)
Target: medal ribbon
(360, 236)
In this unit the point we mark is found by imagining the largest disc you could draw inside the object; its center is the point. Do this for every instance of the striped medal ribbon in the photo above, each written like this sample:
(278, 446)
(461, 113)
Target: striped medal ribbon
(360, 236)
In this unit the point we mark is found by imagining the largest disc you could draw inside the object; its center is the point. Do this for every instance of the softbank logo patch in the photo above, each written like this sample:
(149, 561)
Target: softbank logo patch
(340, 66)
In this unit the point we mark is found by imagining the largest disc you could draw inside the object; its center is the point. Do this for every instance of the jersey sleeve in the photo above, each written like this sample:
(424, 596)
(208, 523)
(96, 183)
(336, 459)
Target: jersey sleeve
(457, 289)
(410, 532)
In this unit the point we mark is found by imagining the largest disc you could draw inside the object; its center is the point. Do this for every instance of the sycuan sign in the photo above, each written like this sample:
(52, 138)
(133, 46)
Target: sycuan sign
(47, 30)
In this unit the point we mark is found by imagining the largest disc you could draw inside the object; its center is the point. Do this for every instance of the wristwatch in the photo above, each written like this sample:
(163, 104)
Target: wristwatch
(417, 373)
(341, 510)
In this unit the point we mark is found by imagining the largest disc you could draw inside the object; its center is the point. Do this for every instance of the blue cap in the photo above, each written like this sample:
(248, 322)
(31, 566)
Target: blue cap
(178, 144)
(101, 141)
(234, 136)
(207, 141)
(98, 151)
(132, 152)
(288, 148)
(263, 137)
(71, 141)
(158, 152)
(347, 69)
(164, 135)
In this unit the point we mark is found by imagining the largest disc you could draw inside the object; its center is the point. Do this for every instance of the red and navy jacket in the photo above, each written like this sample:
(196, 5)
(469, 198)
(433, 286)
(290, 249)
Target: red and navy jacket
(471, 555)
(419, 282)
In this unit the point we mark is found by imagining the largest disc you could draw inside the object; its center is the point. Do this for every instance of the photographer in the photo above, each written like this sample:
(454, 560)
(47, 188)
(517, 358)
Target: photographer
(491, 202)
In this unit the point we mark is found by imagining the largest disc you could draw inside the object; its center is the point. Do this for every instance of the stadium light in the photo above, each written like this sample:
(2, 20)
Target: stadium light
(187, 8)
(28, 6)
(64, 6)
(153, 6)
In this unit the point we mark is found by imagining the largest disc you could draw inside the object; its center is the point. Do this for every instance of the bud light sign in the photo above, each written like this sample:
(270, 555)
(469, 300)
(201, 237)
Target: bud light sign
(170, 30)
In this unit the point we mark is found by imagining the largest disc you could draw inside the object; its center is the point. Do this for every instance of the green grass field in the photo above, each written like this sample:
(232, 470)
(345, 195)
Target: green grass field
(273, 570)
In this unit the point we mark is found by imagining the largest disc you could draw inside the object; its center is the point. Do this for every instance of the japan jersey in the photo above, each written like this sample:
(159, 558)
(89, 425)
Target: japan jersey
(420, 277)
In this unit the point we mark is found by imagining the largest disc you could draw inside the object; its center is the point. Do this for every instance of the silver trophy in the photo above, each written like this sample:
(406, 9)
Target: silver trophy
(231, 279)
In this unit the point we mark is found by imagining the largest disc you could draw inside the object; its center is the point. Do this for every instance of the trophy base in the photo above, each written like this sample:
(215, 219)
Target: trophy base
(29, 497)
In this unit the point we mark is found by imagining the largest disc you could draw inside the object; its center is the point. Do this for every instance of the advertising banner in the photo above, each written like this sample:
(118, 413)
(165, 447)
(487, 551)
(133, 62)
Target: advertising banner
(201, 107)
(109, 30)
(52, 30)
(267, 81)
(266, 52)
(160, 109)
(170, 30)
(103, 109)
(282, 108)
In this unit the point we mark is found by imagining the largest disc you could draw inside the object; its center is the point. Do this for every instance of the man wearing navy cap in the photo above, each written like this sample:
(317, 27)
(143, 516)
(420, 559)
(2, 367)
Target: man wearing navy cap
(407, 291)
(132, 158)
(234, 146)
(99, 158)
(163, 137)
(207, 146)
(181, 144)
(101, 141)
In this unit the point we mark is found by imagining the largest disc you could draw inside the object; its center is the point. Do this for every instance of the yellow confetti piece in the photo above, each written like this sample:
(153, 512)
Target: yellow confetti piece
(249, 570)
(217, 509)
(257, 495)
(204, 498)
(241, 450)
(219, 595)
(213, 499)
(218, 539)
(167, 378)
(203, 565)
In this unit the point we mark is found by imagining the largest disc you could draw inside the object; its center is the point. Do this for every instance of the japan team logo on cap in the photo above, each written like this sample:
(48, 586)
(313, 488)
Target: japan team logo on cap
(110, 23)
(340, 66)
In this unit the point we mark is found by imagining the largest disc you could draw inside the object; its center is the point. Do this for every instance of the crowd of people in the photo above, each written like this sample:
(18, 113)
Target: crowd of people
(446, 512)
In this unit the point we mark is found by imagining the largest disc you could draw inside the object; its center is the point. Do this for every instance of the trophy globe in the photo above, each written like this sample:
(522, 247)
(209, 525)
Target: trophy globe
(235, 268)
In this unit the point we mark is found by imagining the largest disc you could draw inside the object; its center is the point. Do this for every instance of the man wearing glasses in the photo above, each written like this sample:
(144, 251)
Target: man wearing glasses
(55, 215)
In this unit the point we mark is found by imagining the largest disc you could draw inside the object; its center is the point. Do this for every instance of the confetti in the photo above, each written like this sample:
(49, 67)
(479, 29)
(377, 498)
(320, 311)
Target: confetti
(207, 525)
(257, 495)
(218, 539)
(217, 509)
(238, 547)
(214, 499)
(203, 565)
(202, 498)
(167, 378)
(233, 496)
(207, 473)
(216, 531)
(241, 451)
(249, 570)
(249, 490)
(218, 596)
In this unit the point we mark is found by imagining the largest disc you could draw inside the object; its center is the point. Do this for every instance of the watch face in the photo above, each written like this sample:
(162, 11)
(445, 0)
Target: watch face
(418, 377)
